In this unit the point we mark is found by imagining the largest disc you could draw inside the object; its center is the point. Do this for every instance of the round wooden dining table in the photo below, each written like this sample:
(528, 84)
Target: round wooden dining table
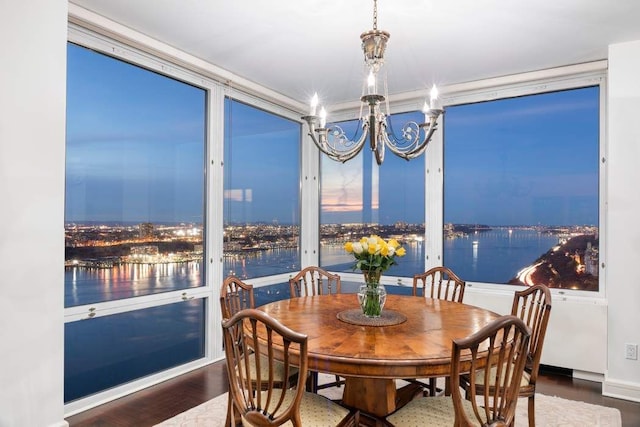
(372, 357)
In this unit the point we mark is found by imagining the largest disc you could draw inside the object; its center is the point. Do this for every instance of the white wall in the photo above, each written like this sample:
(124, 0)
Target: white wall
(623, 231)
(32, 141)
(576, 335)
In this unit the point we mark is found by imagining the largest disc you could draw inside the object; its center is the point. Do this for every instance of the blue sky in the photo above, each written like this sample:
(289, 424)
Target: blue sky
(527, 160)
(262, 154)
(136, 152)
(135, 143)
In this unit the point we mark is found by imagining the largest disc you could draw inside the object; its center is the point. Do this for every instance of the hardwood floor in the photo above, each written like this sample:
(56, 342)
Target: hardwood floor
(165, 400)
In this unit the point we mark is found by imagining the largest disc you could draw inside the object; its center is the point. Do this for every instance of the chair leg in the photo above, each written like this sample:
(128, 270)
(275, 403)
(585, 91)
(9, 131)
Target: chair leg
(227, 422)
(233, 418)
(532, 411)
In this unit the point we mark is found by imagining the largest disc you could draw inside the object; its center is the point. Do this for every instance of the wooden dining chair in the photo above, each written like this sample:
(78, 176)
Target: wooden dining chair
(533, 306)
(439, 283)
(314, 280)
(253, 391)
(235, 295)
(443, 284)
(502, 347)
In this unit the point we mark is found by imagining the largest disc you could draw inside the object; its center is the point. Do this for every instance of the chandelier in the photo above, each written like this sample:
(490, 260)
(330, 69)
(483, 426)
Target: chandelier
(414, 137)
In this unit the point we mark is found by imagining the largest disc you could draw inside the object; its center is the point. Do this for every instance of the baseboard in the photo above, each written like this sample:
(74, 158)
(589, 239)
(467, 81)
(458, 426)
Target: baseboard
(555, 370)
(621, 389)
(573, 373)
(62, 423)
(589, 376)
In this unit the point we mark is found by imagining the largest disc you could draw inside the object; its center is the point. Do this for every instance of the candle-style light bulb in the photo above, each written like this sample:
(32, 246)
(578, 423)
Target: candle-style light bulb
(371, 82)
(425, 110)
(434, 96)
(314, 104)
(323, 117)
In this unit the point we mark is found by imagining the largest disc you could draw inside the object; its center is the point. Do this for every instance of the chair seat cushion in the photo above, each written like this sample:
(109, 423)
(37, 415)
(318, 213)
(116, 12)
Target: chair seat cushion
(524, 381)
(315, 410)
(278, 371)
(431, 411)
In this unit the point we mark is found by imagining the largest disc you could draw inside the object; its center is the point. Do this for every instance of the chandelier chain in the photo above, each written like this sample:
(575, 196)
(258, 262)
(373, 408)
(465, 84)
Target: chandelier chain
(375, 15)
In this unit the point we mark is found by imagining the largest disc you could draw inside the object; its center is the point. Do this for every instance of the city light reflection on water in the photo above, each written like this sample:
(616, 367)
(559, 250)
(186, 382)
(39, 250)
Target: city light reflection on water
(92, 285)
(496, 257)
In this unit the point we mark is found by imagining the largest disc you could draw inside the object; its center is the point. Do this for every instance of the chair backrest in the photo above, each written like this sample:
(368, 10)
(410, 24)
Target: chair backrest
(533, 306)
(314, 281)
(253, 390)
(439, 283)
(235, 295)
(504, 340)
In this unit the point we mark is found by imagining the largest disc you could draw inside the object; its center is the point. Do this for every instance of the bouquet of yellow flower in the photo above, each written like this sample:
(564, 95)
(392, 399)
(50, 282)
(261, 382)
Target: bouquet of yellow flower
(374, 255)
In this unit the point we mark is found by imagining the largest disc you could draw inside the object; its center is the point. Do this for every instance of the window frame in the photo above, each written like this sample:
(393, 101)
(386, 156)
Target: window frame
(570, 77)
(104, 45)
(268, 107)
(217, 88)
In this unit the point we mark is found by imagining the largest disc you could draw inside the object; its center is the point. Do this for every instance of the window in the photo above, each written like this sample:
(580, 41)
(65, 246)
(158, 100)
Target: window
(134, 221)
(134, 180)
(521, 184)
(261, 192)
(359, 198)
(112, 350)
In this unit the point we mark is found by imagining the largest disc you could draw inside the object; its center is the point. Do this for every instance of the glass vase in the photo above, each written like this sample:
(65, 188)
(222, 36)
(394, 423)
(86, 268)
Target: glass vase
(372, 295)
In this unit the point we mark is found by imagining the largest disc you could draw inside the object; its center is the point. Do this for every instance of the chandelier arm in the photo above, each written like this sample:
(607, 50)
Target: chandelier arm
(423, 146)
(407, 142)
(340, 138)
(420, 148)
(348, 155)
(431, 128)
(322, 141)
(311, 120)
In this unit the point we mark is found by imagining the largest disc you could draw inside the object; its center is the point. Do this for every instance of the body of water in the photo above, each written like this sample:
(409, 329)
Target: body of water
(494, 256)
(92, 285)
(497, 255)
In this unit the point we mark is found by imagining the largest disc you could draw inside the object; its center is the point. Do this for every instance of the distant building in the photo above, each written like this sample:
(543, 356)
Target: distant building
(146, 230)
(144, 250)
(591, 260)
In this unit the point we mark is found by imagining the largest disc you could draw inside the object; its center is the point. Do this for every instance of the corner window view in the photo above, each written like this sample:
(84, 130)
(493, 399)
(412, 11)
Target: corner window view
(354, 213)
(261, 192)
(134, 218)
(521, 182)
(360, 198)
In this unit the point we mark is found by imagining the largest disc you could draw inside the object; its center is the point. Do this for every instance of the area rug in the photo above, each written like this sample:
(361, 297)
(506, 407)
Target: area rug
(550, 412)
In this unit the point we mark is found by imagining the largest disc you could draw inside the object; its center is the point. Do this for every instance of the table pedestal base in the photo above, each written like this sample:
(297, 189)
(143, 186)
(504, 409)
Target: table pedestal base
(377, 396)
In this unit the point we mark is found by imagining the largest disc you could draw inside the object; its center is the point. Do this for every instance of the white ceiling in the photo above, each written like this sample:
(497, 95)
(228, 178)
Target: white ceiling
(296, 47)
